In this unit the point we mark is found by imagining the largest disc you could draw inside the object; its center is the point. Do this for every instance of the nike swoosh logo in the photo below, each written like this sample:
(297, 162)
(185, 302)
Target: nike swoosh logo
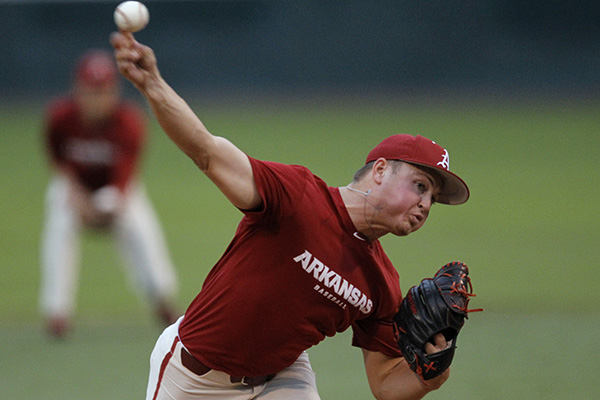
(357, 235)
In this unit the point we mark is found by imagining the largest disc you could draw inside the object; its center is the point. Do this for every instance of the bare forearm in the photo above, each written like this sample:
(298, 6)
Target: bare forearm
(180, 123)
(402, 384)
(137, 63)
(226, 165)
(392, 378)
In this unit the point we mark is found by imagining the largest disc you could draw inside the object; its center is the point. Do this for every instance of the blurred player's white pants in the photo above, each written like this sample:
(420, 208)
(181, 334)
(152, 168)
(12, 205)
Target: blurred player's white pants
(138, 237)
(176, 382)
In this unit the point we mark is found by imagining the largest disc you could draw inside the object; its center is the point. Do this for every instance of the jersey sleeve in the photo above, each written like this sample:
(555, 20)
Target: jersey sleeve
(279, 186)
(375, 335)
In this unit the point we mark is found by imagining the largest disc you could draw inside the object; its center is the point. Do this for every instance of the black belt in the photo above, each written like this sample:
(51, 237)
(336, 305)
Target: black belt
(195, 366)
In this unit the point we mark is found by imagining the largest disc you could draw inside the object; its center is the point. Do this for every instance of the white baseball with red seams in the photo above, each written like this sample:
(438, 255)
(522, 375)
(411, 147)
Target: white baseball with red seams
(131, 16)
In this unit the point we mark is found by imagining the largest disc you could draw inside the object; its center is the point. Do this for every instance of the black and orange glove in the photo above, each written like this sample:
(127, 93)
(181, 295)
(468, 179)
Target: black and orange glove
(436, 305)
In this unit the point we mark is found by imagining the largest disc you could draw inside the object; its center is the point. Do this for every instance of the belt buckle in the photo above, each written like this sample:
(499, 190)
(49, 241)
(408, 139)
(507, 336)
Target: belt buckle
(252, 381)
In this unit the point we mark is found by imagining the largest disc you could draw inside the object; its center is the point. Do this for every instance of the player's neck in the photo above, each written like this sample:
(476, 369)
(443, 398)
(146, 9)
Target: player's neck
(358, 208)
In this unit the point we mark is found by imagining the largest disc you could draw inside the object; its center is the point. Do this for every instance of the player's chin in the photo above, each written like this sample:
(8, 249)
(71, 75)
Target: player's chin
(405, 229)
(410, 227)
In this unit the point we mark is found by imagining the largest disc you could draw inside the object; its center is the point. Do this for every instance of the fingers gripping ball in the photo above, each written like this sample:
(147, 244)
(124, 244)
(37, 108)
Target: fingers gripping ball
(131, 16)
(436, 305)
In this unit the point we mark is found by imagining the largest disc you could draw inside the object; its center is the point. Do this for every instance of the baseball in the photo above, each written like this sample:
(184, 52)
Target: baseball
(131, 16)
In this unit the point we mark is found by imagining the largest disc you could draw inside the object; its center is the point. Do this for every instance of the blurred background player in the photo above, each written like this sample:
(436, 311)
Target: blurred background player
(94, 141)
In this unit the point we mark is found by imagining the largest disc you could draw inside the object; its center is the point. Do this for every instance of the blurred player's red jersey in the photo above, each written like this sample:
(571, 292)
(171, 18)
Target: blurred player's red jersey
(98, 155)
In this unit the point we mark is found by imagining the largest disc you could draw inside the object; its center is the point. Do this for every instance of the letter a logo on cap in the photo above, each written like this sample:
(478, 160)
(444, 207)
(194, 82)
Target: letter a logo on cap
(445, 163)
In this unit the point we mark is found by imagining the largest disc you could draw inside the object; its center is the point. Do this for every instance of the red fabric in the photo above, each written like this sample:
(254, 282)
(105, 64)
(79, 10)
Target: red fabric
(293, 274)
(105, 154)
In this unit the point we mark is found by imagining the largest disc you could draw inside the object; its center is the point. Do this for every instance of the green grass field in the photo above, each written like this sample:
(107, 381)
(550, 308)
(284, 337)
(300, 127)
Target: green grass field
(530, 235)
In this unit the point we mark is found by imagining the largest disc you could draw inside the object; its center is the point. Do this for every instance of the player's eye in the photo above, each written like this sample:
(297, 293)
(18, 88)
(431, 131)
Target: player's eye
(421, 187)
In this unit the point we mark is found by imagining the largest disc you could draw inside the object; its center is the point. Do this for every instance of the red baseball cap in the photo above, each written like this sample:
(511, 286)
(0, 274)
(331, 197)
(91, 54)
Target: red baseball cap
(424, 152)
(96, 68)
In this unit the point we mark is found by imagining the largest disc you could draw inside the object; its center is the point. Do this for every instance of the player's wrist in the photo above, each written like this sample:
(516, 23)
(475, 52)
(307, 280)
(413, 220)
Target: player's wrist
(154, 88)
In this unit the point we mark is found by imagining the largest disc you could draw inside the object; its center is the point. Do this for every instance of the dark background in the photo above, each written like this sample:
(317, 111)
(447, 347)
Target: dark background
(471, 47)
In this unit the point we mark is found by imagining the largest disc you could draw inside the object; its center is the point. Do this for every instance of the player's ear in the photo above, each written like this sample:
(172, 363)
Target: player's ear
(379, 169)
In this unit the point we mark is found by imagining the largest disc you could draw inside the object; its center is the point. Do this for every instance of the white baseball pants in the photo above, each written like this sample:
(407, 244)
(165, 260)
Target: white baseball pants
(138, 237)
(170, 380)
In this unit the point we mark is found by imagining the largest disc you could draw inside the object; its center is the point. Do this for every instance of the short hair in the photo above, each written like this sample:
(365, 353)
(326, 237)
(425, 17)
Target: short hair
(362, 171)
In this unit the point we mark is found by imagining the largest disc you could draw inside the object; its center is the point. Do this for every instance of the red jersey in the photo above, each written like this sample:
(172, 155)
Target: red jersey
(294, 273)
(97, 155)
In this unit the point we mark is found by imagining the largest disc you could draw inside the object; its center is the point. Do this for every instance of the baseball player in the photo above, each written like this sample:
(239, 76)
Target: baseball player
(94, 140)
(305, 261)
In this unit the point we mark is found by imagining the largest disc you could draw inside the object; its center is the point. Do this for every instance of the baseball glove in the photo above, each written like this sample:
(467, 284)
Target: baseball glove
(436, 305)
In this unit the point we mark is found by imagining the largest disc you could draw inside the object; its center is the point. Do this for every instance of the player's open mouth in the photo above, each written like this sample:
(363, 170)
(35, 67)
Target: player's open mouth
(416, 218)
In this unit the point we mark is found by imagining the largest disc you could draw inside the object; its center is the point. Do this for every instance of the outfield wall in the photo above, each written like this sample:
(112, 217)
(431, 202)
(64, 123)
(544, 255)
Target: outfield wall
(440, 45)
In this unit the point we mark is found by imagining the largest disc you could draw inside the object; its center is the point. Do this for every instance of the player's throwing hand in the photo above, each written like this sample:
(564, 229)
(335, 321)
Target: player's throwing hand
(135, 61)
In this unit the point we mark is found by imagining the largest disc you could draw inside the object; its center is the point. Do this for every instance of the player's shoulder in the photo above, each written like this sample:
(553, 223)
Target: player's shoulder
(295, 178)
(281, 168)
